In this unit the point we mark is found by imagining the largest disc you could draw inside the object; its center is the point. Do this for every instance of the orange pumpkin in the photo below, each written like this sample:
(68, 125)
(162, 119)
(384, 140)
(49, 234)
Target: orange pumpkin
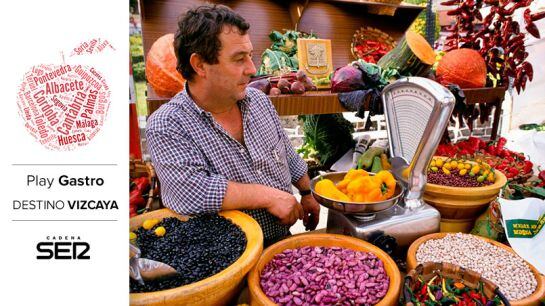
(464, 67)
(161, 71)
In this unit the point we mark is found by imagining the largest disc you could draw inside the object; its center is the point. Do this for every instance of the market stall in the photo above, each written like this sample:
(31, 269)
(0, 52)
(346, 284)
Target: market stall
(416, 203)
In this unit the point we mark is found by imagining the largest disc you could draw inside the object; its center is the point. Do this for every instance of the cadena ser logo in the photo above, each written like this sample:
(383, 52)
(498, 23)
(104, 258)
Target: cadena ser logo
(63, 248)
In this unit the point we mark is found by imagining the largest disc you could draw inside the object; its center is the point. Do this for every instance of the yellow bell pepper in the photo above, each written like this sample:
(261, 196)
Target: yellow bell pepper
(350, 176)
(386, 178)
(364, 189)
(327, 188)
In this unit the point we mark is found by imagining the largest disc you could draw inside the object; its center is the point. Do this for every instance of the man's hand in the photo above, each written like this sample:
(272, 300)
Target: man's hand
(283, 205)
(311, 214)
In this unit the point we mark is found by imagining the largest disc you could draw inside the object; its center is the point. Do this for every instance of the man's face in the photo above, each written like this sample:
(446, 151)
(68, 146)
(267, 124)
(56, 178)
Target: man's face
(230, 76)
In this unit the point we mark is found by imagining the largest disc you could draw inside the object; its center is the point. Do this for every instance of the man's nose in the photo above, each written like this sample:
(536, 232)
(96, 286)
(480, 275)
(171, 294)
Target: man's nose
(250, 68)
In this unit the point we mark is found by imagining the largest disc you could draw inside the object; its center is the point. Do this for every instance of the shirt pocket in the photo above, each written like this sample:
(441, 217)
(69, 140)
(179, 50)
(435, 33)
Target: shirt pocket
(280, 161)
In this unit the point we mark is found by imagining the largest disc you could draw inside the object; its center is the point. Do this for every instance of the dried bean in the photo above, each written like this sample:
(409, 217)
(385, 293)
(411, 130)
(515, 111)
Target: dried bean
(324, 276)
(507, 270)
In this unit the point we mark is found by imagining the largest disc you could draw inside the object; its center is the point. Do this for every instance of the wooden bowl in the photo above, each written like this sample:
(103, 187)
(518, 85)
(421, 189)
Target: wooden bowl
(532, 299)
(463, 202)
(218, 289)
(428, 270)
(257, 295)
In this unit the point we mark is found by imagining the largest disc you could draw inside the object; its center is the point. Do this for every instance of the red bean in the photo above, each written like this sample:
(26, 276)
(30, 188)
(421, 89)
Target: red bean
(325, 276)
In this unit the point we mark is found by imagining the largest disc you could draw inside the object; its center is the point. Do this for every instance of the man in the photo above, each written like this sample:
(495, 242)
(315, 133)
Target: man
(218, 145)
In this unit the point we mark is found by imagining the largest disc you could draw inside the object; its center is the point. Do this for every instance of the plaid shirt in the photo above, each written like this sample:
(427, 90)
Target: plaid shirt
(194, 156)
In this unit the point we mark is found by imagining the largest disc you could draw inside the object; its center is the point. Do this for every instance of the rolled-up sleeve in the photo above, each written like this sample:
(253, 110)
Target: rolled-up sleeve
(187, 185)
(298, 166)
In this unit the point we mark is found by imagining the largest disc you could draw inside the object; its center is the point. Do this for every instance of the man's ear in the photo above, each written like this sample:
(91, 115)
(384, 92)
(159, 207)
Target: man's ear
(197, 64)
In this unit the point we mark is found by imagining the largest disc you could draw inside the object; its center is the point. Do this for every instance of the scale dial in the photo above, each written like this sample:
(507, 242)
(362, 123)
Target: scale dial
(412, 107)
(417, 112)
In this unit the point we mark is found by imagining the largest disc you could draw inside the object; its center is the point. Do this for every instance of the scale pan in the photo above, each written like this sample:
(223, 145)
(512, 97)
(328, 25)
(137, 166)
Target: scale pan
(353, 207)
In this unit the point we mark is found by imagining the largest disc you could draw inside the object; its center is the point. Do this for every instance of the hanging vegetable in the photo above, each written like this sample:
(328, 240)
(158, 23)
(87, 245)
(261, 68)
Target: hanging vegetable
(499, 40)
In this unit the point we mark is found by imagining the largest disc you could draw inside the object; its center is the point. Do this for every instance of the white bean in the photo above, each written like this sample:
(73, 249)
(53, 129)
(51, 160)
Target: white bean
(507, 270)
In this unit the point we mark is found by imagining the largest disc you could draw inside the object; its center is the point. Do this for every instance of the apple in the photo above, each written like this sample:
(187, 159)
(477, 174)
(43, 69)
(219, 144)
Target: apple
(63, 106)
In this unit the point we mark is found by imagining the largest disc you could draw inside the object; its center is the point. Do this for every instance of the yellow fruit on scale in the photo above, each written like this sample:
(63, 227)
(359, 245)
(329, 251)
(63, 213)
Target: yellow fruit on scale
(150, 223)
(132, 236)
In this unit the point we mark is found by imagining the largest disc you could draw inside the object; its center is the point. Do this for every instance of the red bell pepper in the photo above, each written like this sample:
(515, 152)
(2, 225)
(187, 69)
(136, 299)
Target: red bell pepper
(142, 184)
(501, 143)
(528, 165)
(541, 175)
(491, 149)
(136, 199)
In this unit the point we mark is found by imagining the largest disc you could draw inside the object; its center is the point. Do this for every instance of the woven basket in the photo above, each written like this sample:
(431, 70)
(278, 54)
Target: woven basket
(370, 33)
(469, 278)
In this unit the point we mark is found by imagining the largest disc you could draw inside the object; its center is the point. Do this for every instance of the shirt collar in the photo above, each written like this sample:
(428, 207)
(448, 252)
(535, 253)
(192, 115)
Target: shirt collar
(193, 106)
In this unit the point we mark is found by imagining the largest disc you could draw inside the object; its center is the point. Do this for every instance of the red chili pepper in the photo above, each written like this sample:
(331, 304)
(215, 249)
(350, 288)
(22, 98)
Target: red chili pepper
(136, 199)
(450, 2)
(142, 184)
(475, 295)
(455, 11)
(528, 69)
(538, 16)
(532, 29)
(424, 289)
(527, 16)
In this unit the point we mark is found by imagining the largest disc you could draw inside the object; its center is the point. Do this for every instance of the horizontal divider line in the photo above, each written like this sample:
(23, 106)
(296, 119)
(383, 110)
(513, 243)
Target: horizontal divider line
(75, 220)
(64, 164)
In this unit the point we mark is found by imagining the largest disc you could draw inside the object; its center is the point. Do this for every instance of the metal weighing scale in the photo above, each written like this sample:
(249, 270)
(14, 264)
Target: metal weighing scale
(417, 111)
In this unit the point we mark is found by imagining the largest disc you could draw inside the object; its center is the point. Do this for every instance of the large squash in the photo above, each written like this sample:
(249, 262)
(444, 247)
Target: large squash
(464, 67)
(161, 71)
(413, 55)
